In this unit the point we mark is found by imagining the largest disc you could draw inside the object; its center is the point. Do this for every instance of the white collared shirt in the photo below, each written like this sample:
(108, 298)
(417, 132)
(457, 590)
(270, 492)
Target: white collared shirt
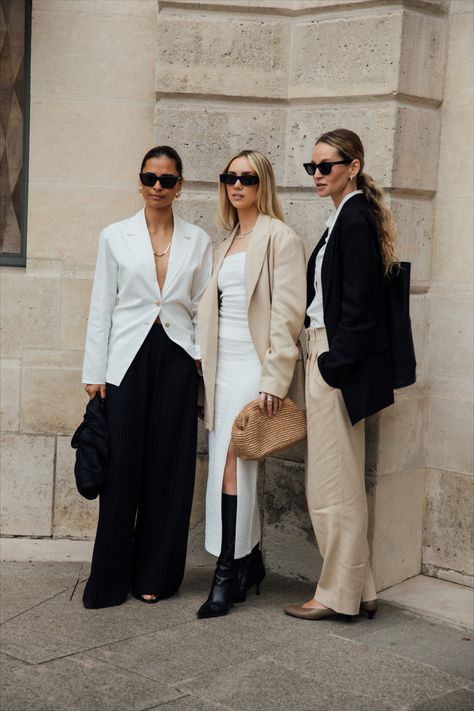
(315, 309)
(126, 299)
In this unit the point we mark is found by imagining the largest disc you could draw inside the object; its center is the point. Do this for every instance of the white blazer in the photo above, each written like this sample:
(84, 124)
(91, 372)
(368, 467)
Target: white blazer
(126, 298)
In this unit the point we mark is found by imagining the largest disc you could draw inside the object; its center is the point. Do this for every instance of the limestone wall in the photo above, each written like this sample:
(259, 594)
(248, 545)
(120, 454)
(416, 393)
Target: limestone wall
(91, 120)
(447, 541)
(112, 77)
(273, 78)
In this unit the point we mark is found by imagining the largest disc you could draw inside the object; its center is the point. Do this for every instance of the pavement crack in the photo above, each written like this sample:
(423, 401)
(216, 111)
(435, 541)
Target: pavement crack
(78, 580)
(190, 695)
(38, 604)
(165, 703)
(17, 659)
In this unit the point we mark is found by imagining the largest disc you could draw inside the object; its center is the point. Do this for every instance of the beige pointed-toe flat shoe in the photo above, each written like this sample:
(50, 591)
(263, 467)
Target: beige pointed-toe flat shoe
(311, 613)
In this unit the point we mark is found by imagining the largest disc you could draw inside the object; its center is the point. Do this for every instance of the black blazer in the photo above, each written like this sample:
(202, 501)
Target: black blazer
(358, 359)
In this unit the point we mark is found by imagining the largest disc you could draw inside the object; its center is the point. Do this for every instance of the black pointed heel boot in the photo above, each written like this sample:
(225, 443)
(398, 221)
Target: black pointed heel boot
(225, 579)
(252, 572)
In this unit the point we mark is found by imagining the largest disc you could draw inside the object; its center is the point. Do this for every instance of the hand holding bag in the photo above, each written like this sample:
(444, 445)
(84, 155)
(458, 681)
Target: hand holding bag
(91, 442)
(256, 436)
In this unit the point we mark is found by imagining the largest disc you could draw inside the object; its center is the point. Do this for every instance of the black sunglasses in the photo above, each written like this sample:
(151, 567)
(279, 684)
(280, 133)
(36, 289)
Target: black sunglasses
(231, 179)
(167, 181)
(325, 167)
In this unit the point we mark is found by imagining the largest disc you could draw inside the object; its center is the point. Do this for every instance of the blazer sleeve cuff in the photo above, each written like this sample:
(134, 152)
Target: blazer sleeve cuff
(334, 378)
(269, 386)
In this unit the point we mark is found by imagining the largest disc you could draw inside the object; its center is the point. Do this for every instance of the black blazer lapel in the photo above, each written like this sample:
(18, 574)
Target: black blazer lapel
(310, 270)
(310, 291)
(326, 267)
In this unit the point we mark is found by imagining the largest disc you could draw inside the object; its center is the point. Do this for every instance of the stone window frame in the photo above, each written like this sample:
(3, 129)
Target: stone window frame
(18, 259)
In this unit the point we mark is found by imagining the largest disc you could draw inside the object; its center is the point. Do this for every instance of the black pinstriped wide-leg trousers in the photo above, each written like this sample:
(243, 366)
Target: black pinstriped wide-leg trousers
(145, 504)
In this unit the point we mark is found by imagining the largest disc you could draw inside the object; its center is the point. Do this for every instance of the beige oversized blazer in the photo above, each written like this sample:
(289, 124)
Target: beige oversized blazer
(276, 301)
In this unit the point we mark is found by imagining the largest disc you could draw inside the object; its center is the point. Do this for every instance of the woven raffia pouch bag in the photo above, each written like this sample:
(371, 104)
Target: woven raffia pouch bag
(256, 436)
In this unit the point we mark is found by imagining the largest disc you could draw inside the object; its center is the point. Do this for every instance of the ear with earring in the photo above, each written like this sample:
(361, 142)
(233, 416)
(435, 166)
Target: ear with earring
(178, 193)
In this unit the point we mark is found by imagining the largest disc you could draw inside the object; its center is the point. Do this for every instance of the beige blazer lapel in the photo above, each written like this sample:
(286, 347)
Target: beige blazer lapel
(256, 252)
(221, 252)
(208, 313)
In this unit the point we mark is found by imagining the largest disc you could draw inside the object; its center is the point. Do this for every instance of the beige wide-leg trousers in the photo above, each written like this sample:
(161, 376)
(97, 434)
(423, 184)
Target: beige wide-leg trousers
(335, 489)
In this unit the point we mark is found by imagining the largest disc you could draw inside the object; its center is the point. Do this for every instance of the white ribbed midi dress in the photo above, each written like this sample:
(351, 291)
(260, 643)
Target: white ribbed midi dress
(237, 383)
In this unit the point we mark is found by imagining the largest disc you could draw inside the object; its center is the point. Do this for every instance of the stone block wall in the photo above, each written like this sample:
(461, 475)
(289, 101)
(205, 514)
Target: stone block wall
(211, 77)
(448, 521)
(91, 121)
(274, 77)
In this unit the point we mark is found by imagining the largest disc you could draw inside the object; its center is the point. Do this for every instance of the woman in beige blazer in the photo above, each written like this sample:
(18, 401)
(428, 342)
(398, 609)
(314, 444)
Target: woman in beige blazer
(250, 319)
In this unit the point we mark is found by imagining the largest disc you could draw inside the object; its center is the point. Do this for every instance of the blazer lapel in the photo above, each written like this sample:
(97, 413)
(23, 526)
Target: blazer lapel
(179, 251)
(140, 244)
(328, 259)
(326, 267)
(221, 252)
(310, 269)
(209, 304)
(256, 252)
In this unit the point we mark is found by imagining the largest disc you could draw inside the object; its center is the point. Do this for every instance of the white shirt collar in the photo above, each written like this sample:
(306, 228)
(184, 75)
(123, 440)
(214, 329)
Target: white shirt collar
(330, 222)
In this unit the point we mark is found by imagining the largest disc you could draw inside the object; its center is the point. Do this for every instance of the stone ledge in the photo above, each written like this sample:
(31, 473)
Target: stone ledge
(45, 550)
(433, 598)
(298, 8)
(107, 8)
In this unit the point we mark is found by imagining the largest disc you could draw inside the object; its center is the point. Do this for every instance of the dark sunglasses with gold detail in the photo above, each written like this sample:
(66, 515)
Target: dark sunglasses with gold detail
(325, 166)
(167, 180)
(231, 179)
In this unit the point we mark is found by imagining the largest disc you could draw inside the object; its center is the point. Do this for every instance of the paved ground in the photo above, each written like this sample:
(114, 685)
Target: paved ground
(57, 656)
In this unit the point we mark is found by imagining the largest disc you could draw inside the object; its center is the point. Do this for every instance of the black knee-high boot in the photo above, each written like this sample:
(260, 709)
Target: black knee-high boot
(225, 578)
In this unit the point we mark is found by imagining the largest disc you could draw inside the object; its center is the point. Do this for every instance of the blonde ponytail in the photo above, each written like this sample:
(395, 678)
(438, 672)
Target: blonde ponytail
(386, 227)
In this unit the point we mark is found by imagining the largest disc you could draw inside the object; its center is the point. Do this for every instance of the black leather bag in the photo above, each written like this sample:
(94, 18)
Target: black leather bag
(400, 338)
(91, 442)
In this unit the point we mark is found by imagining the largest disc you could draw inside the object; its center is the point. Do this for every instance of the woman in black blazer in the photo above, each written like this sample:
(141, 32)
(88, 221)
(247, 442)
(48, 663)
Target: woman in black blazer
(348, 374)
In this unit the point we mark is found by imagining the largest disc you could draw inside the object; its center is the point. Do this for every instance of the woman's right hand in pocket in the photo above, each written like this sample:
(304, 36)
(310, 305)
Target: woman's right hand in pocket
(91, 390)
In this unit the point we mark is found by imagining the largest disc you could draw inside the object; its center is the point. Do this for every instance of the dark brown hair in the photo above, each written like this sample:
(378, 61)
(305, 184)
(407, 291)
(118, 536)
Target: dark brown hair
(167, 151)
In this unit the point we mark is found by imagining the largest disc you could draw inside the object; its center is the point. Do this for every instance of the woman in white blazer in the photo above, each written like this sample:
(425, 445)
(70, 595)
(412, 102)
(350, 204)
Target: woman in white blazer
(141, 355)
(250, 316)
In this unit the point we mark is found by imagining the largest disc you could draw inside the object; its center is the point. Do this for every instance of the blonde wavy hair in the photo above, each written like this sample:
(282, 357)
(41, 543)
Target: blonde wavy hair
(267, 199)
(349, 145)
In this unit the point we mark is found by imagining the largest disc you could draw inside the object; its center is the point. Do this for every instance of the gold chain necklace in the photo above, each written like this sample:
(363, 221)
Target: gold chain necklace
(239, 236)
(162, 254)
